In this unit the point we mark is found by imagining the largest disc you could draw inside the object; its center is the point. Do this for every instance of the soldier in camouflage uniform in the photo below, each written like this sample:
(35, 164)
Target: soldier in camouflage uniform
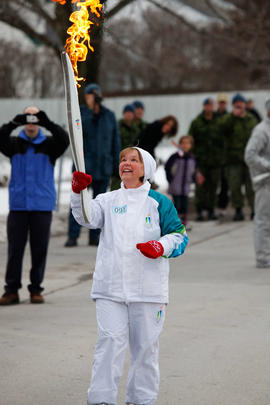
(128, 134)
(208, 152)
(236, 128)
(222, 102)
(223, 196)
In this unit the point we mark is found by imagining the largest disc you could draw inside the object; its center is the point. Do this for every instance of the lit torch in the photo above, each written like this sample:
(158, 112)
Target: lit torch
(77, 48)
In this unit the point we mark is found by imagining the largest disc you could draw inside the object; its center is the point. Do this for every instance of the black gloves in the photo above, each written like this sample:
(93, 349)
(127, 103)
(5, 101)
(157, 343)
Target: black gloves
(44, 120)
(39, 118)
(20, 119)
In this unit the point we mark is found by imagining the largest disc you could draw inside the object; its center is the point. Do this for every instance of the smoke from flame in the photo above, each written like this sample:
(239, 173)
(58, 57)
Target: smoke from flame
(78, 42)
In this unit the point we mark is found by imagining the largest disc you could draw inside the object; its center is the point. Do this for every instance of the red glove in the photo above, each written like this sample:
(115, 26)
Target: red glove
(80, 181)
(152, 249)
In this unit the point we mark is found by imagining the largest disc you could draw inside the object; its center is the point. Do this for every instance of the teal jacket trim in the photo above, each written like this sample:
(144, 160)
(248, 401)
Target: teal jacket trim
(169, 220)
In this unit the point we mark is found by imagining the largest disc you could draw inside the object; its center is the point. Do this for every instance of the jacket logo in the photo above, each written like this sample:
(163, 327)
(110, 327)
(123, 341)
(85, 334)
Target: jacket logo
(159, 314)
(119, 210)
(148, 221)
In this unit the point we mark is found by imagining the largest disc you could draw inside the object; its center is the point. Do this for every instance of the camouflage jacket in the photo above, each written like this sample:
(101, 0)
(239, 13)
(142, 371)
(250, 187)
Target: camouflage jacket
(128, 134)
(236, 132)
(140, 126)
(208, 144)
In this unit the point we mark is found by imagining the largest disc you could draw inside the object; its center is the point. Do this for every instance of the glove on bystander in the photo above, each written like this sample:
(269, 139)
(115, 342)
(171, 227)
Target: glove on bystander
(80, 181)
(43, 119)
(152, 249)
(20, 119)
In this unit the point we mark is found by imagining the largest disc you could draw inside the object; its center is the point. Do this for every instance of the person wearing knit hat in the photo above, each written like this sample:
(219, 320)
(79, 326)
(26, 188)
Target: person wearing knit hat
(139, 113)
(101, 147)
(223, 195)
(208, 152)
(235, 129)
(127, 127)
(257, 157)
(140, 232)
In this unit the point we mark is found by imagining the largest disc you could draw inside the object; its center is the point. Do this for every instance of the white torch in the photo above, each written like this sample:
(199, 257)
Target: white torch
(75, 128)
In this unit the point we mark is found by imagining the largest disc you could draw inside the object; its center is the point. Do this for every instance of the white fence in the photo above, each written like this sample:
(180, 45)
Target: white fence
(184, 106)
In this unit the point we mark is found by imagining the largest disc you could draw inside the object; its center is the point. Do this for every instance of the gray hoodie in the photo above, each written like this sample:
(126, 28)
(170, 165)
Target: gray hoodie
(257, 154)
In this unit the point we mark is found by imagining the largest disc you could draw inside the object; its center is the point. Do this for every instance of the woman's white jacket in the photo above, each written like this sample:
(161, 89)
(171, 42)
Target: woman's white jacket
(127, 217)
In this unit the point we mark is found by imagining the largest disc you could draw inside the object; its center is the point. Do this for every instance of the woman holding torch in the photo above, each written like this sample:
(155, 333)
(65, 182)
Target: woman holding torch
(140, 230)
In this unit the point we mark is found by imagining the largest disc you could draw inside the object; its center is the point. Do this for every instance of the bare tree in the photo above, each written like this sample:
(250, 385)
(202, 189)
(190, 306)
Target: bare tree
(239, 31)
(28, 73)
(46, 24)
(163, 52)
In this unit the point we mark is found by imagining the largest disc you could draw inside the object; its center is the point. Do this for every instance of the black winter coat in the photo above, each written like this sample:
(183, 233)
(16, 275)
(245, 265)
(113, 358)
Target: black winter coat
(150, 137)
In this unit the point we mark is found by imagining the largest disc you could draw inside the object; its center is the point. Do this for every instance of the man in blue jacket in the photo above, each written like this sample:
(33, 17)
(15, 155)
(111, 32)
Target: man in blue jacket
(101, 143)
(31, 196)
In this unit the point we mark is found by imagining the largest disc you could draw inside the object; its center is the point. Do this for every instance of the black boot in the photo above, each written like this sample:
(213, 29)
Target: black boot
(71, 242)
(199, 217)
(212, 216)
(238, 216)
(93, 241)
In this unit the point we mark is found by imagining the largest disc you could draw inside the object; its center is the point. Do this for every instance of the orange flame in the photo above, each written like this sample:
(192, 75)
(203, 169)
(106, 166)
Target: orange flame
(79, 32)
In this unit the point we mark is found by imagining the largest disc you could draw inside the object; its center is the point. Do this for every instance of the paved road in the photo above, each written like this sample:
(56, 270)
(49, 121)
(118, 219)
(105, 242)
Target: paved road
(215, 348)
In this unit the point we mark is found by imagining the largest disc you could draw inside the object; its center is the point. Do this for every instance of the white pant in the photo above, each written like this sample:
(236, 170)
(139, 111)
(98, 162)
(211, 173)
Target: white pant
(262, 226)
(140, 323)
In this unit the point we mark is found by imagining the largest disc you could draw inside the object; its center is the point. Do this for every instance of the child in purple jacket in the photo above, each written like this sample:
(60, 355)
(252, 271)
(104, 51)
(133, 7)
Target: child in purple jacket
(180, 172)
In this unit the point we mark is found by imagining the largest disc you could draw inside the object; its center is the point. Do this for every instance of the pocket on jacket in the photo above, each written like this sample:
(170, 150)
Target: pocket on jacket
(152, 283)
(104, 265)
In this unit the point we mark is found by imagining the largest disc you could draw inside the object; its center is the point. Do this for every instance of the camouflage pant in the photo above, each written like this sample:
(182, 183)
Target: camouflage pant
(238, 175)
(206, 194)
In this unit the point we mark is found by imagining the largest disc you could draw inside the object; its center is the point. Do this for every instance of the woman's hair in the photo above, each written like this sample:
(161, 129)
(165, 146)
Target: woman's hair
(174, 129)
(188, 137)
(129, 149)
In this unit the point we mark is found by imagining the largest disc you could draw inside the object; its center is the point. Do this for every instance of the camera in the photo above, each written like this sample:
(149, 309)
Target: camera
(31, 119)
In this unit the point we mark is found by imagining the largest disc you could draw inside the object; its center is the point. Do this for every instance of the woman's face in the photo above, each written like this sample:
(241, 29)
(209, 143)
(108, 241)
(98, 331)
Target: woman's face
(131, 169)
(167, 127)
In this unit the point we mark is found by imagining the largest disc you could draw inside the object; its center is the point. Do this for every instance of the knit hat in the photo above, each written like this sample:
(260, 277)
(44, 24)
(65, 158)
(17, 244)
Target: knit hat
(267, 104)
(138, 104)
(149, 163)
(92, 88)
(207, 100)
(238, 97)
(128, 108)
